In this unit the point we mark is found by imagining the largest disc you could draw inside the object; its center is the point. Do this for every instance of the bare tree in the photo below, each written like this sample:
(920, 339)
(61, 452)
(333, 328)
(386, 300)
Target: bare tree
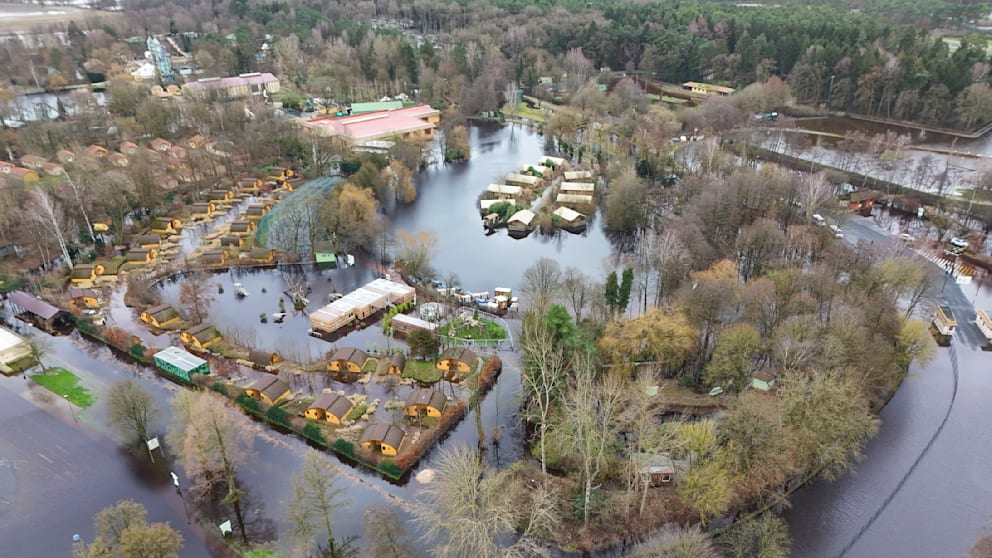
(814, 193)
(131, 409)
(122, 530)
(214, 440)
(47, 212)
(540, 283)
(315, 497)
(577, 290)
(543, 375)
(385, 535)
(195, 296)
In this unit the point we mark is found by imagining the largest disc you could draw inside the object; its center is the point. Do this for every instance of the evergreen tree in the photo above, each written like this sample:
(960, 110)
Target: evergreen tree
(623, 295)
(612, 292)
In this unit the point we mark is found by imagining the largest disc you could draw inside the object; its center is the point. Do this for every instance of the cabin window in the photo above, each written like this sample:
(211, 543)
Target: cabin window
(666, 478)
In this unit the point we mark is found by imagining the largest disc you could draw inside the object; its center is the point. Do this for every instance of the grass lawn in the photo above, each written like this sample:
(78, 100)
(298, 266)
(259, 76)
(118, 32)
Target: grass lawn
(523, 111)
(422, 371)
(62, 382)
(487, 329)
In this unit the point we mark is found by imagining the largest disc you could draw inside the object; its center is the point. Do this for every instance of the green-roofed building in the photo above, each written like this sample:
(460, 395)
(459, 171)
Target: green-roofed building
(362, 108)
(324, 256)
(179, 363)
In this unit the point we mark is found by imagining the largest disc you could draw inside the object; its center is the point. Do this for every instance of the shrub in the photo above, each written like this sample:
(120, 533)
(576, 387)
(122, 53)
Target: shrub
(137, 351)
(278, 415)
(357, 412)
(313, 433)
(248, 403)
(221, 388)
(390, 469)
(344, 447)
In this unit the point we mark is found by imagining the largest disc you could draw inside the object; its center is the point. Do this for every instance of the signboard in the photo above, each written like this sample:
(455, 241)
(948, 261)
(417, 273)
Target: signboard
(153, 444)
(919, 212)
(225, 528)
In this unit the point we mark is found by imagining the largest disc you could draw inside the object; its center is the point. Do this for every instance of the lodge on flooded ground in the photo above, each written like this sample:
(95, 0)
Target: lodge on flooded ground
(270, 390)
(360, 304)
(330, 407)
(382, 437)
(42, 314)
(348, 359)
(425, 402)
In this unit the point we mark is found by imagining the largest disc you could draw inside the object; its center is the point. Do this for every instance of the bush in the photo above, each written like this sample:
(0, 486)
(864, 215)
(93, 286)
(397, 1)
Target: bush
(221, 388)
(357, 412)
(313, 433)
(278, 415)
(137, 351)
(390, 469)
(344, 447)
(248, 403)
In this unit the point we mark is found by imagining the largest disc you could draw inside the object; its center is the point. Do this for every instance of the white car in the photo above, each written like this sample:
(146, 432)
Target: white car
(837, 232)
(907, 237)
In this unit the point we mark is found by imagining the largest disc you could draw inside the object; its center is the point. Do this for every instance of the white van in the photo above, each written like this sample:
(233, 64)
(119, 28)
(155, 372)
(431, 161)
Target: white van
(818, 219)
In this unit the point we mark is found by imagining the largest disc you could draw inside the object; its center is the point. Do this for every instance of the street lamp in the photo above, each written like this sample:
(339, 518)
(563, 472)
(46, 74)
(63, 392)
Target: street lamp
(71, 410)
(175, 482)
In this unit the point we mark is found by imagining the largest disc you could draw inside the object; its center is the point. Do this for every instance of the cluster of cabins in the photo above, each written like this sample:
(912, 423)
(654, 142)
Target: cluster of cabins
(359, 305)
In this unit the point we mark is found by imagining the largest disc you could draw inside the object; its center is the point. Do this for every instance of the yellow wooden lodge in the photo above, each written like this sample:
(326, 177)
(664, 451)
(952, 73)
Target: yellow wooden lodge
(382, 437)
(166, 225)
(396, 364)
(249, 184)
(262, 255)
(201, 336)
(348, 359)
(65, 156)
(330, 407)
(270, 390)
(219, 195)
(257, 210)
(97, 152)
(229, 240)
(457, 359)
(214, 257)
(203, 209)
(282, 173)
(140, 256)
(85, 273)
(194, 142)
(84, 298)
(242, 227)
(262, 358)
(149, 241)
(425, 402)
(159, 316)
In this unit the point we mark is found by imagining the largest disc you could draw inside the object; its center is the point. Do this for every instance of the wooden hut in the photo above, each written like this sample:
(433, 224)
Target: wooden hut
(425, 402)
(457, 359)
(262, 358)
(179, 363)
(32, 161)
(553, 162)
(140, 256)
(201, 336)
(219, 196)
(203, 209)
(118, 159)
(161, 145)
(261, 255)
(39, 312)
(406, 324)
(194, 142)
(257, 210)
(282, 173)
(242, 227)
(65, 156)
(396, 364)
(270, 390)
(539, 171)
(524, 180)
(504, 192)
(348, 359)
(159, 316)
(84, 298)
(229, 240)
(578, 176)
(382, 437)
(330, 407)
(214, 257)
(149, 241)
(573, 200)
(763, 381)
(97, 152)
(521, 221)
(85, 273)
(166, 225)
(249, 184)
(53, 169)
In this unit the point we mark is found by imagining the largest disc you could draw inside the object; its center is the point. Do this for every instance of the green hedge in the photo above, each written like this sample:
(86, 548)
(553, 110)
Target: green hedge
(344, 447)
(390, 469)
(313, 433)
(278, 415)
(248, 403)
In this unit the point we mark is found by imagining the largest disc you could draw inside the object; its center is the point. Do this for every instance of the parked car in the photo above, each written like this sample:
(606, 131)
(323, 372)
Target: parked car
(837, 232)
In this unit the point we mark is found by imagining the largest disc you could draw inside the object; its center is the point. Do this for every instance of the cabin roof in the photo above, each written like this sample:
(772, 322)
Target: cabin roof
(271, 386)
(460, 354)
(383, 432)
(524, 216)
(334, 404)
(350, 354)
(427, 396)
(30, 303)
(568, 215)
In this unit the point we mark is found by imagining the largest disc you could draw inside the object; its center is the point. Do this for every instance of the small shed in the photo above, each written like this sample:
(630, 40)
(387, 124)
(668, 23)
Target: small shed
(520, 221)
(407, 324)
(214, 257)
(348, 359)
(85, 273)
(160, 315)
(194, 142)
(15, 352)
(140, 256)
(270, 390)
(161, 145)
(525, 180)
(656, 469)
(330, 407)
(764, 381)
(425, 402)
(382, 437)
(165, 225)
(457, 359)
(97, 152)
(38, 311)
(242, 227)
(201, 336)
(203, 209)
(573, 200)
(230, 240)
(261, 255)
(86, 298)
(149, 241)
(262, 358)
(396, 364)
(579, 188)
(180, 363)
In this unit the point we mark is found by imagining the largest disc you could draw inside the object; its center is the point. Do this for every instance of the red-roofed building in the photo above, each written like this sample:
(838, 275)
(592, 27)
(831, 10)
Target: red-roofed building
(419, 120)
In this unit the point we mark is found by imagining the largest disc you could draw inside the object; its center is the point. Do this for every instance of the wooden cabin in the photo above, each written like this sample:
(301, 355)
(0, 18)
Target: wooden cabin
(249, 184)
(166, 225)
(53, 169)
(382, 437)
(763, 381)
(201, 336)
(262, 255)
(944, 320)
(396, 364)
(257, 210)
(179, 363)
(203, 209)
(539, 171)
(262, 358)
(578, 176)
(242, 227)
(85, 273)
(149, 241)
(577, 188)
(360, 304)
(140, 256)
(270, 390)
(194, 142)
(214, 257)
(33, 162)
(457, 359)
(235, 241)
(159, 316)
(406, 324)
(573, 200)
(84, 298)
(425, 402)
(504, 192)
(177, 152)
(219, 196)
(35, 310)
(348, 359)
(569, 219)
(553, 162)
(119, 160)
(331, 407)
(282, 173)
(523, 180)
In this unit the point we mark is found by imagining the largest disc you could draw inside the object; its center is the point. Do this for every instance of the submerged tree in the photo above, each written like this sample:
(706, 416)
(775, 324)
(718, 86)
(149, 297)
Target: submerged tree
(131, 409)
(195, 296)
(316, 496)
(122, 530)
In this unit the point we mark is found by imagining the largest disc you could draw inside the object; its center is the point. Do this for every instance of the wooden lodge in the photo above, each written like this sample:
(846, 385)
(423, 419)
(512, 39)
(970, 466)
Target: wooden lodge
(282, 173)
(270, 390)
(159, 316)
(160, 144)
(42, 314)
(382, 437)
(219, 196)
(97, 152)
(504, 192)
(330, 407)
(524, 180)
(257, 210)
(242, 227)
(85, 273)
(262, 358)
(140, 256)
(194, 142)
(425, 402)
(406, 324)
(260, 255)
(65, 156)
(214, 257)
(249, 184)
(166, 225)
(201, 336)
(348, 360)
(984, 322)
(569, 219)
(944, 320)
(396, 364)
(360, 304)
(229, 240)
(521, 221)
(16, 353)
(578, 176)
(84, 298)
(203, 209)
(180, 364)
(578, 188)
(539, 171)
(149, 241)
(573, 200)
(457, 359)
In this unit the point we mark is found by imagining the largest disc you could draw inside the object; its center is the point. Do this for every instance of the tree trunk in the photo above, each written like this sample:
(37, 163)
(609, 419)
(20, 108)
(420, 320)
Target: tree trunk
(544, 458)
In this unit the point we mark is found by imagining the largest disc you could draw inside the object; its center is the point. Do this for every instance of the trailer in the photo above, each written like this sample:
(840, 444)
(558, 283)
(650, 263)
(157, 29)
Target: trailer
(984, 322)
